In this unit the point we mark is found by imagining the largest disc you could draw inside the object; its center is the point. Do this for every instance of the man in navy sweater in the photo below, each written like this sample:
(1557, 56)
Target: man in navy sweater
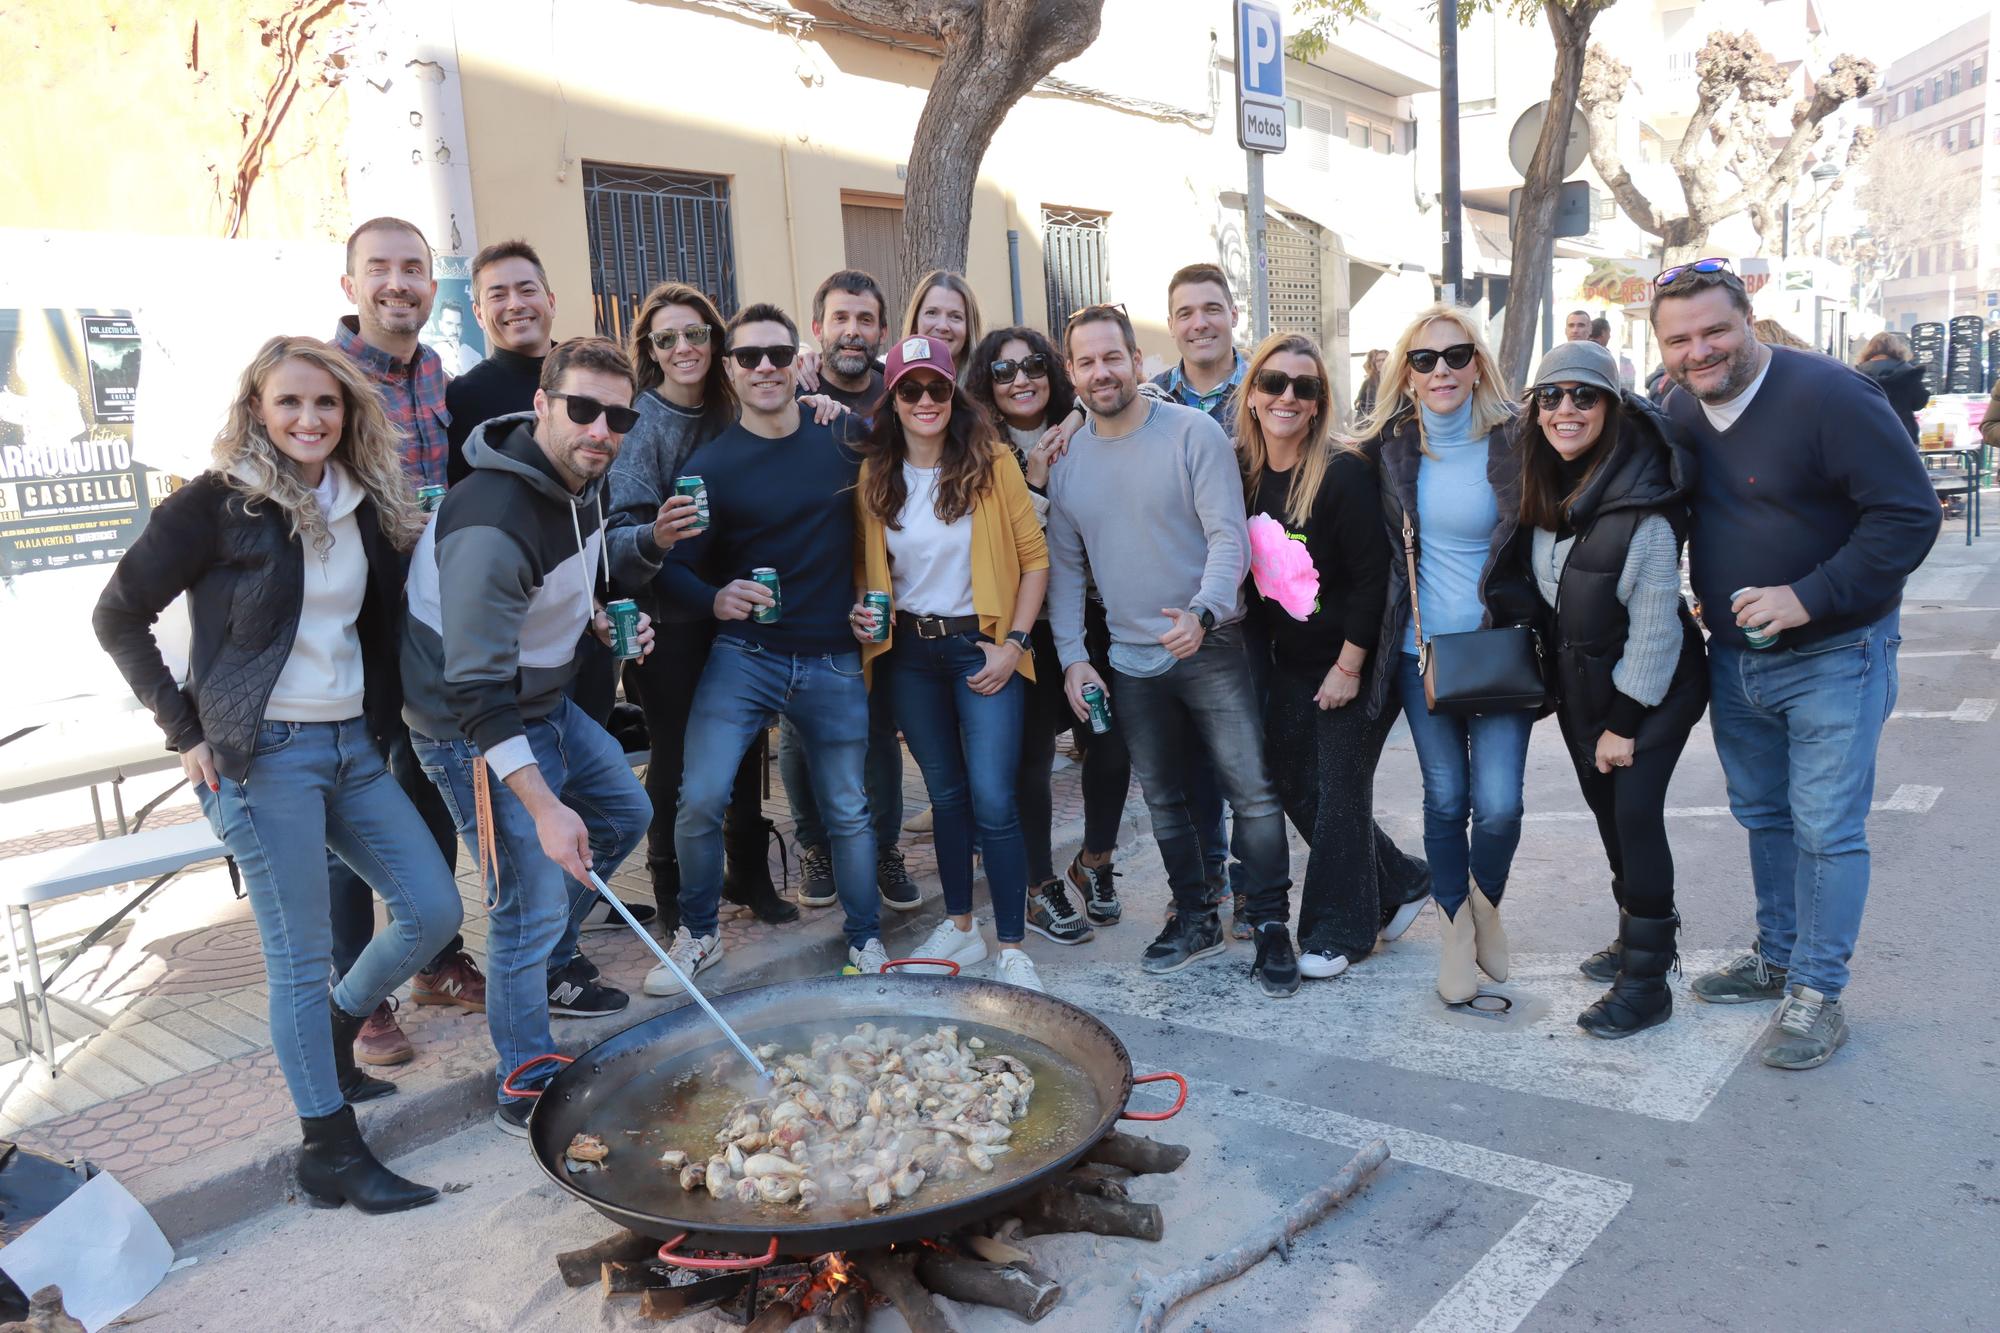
(1811, 507)
(780, 496)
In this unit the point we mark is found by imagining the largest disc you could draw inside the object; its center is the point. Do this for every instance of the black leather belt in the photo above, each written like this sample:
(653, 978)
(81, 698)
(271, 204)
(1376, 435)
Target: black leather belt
(936, 627)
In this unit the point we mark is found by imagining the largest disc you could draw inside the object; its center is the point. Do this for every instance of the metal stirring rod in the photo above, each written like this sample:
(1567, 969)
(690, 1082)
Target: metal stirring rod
(687, 982)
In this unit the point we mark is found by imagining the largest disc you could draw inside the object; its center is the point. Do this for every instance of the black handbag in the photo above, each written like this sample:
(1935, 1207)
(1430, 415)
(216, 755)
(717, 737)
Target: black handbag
(1500, 670)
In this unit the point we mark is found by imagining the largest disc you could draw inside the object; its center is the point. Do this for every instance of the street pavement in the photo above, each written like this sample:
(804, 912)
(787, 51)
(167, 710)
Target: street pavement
(1538, 1178)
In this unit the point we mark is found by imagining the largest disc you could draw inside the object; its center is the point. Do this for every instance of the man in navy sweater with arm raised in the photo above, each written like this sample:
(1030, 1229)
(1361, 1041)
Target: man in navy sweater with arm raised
(1811, 508)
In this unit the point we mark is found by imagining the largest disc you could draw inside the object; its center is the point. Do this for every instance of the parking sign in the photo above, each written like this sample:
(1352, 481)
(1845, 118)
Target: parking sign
(1260, 77)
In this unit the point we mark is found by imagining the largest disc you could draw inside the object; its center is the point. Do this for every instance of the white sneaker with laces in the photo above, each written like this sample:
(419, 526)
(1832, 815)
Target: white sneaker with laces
(690, 954)
(1017, 969)
(948, 942)
(1319, 964)
(869, 959)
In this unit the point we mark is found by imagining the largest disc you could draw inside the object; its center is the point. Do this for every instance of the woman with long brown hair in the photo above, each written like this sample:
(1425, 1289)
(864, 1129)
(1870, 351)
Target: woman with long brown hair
(948, 530)
(684, 400)
(290, 552)
(1319, 563)
(1442, 434)
(943, 307)
(1604, 515)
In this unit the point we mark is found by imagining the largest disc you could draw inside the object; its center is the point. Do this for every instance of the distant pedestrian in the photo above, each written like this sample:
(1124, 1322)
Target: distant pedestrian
(1600, 333)
(1371, 382)
(1811, 508)
(1604, 513)
(1576, 326)
(1888, 360)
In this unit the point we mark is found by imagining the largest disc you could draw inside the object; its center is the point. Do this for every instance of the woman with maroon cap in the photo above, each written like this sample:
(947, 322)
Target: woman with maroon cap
(948, 530)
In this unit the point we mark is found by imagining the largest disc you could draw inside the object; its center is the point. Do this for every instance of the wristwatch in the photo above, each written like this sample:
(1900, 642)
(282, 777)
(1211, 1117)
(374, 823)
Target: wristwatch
(1019, 638)
(1205, 616)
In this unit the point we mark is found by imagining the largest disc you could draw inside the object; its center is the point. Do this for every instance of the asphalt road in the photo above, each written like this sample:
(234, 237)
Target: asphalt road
(1538, 1179)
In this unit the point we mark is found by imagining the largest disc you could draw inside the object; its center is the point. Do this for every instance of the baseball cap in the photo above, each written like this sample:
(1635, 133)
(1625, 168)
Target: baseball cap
(915, 352)
(1582, 362)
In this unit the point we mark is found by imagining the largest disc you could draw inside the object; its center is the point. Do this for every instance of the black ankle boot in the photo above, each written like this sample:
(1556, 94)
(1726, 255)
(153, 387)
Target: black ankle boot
(355, 1085)
(746, 876)
(335, 1167)
(666, 874)
(1639, 997)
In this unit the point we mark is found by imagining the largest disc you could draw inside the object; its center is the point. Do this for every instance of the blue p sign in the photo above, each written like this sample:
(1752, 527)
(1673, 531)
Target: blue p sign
(1260, 52)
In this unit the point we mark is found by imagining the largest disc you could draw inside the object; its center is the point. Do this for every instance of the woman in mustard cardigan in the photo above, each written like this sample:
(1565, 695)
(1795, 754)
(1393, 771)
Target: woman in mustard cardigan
(948, 531)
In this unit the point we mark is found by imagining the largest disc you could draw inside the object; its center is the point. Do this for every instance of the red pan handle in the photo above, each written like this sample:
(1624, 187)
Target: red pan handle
(667, 1256)
(934, 962)
(507, 1084)
(1171, 1111)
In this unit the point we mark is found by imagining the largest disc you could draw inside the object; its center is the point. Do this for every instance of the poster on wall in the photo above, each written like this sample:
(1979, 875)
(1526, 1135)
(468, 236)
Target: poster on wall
(70, 492)
(452, 331)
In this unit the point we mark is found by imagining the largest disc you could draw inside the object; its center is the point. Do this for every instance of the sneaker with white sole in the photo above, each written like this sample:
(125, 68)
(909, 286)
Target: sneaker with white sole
(1319, 964)
(1805, 1032)
(1017, 969)
(952, 945)
(1404, 917)
(690, 954)
(869, 959)
(1053, 915)
(603, 916)
(816, 869)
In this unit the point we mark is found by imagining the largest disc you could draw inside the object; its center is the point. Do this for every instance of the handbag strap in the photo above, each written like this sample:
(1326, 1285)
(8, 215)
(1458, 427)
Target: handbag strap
(1410, 561)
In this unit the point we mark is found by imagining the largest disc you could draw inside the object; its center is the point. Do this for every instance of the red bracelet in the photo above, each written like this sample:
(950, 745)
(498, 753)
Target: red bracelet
(1356, 675)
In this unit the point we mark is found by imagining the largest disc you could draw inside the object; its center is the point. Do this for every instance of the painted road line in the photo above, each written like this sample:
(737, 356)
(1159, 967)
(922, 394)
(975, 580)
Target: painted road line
(1946, 610)
(1385, 1011)
(1945, 583)
(1970, 710)
(1498, 1292)
(1903, 655)
(1908, 799)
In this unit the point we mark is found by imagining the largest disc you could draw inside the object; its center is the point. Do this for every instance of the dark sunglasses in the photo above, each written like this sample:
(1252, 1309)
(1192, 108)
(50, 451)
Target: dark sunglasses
(1306, 388)
(1713, 264)
(584, 410)
(1034, 365)
(695, 335)
(913, 391)
(1549, 397)
(1423, 360)
(751, 357)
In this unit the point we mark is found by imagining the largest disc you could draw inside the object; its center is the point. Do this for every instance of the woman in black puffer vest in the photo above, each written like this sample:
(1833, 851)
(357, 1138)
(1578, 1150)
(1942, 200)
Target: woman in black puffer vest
(1603, 520)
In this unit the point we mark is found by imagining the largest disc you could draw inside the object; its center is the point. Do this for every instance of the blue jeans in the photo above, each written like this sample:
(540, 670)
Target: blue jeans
(1208, 701)
(1474, 769)
(969, 748)
(882, 772)
(1796, 730)
(314, 786)
(353, 903)
(742, 688)
(537, 902)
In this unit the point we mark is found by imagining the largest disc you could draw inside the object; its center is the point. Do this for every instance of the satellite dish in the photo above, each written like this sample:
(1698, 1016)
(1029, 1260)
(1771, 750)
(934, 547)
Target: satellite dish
(1527, 131)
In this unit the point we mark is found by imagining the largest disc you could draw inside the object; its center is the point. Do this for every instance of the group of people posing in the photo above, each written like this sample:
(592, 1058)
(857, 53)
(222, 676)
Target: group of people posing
(974, 541)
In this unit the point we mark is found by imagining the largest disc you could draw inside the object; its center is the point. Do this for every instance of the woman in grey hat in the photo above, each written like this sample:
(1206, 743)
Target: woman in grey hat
(1604, 478)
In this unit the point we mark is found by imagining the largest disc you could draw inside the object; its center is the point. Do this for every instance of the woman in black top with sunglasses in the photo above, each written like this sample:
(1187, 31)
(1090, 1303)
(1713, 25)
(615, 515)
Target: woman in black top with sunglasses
(1018, 376)
(1603, 519)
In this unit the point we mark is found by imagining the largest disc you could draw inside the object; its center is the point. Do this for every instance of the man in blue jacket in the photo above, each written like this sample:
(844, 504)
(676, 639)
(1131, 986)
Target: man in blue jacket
(1811, 508)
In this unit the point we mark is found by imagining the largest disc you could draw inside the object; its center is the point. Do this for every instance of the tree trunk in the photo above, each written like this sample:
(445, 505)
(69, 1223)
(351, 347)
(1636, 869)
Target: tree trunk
(1529, 270)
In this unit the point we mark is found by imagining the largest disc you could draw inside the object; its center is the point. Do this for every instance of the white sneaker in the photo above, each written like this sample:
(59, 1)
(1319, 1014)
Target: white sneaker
(691, 955)
(948, 942)
(1017, 969)
(1319, 964)
(869, 959)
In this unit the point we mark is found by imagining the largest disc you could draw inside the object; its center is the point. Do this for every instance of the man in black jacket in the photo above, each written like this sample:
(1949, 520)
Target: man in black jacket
(513, 304)
(1810, 509)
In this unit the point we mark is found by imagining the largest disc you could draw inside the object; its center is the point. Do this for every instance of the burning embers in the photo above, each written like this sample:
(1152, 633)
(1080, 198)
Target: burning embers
(980, 1264)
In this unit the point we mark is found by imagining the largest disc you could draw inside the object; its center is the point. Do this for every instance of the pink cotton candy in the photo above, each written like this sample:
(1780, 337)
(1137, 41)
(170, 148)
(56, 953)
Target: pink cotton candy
(1282, 567)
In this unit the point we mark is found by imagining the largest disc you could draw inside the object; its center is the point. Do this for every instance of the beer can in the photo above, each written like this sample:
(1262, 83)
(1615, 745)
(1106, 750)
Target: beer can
(698, 488)
(1757, 639)
(429, 498)
(768, 577)
(878, 602)
(624, 615)
(1100, 709)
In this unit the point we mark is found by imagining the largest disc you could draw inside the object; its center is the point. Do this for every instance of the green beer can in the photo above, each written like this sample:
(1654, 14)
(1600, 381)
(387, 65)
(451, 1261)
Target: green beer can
(1100, 709)
(698, 488)
(624, 615)
(429, 498)
(1757, 639)
(878, 602)
(768, 577)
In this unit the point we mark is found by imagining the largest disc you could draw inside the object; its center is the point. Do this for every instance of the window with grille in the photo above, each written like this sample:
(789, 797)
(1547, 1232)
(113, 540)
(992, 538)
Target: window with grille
(1076, 263)
(648, 227)
(1293, 248)
(872, 231)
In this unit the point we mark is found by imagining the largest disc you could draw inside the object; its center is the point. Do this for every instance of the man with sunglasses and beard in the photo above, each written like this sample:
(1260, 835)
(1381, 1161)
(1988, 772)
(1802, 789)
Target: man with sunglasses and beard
(780, 496)
(1811, 507)
(502, 585)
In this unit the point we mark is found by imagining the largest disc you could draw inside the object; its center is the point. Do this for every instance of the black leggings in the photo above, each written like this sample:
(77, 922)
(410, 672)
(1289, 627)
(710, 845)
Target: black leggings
(1630, 806)
(667, 678)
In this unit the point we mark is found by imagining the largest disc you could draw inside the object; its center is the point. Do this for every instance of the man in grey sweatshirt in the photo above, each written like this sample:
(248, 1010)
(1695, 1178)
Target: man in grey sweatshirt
(1150, 501)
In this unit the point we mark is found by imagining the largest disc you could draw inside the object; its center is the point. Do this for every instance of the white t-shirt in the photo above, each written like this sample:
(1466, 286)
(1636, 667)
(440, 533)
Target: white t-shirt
(930, 561)
(1723, 415)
